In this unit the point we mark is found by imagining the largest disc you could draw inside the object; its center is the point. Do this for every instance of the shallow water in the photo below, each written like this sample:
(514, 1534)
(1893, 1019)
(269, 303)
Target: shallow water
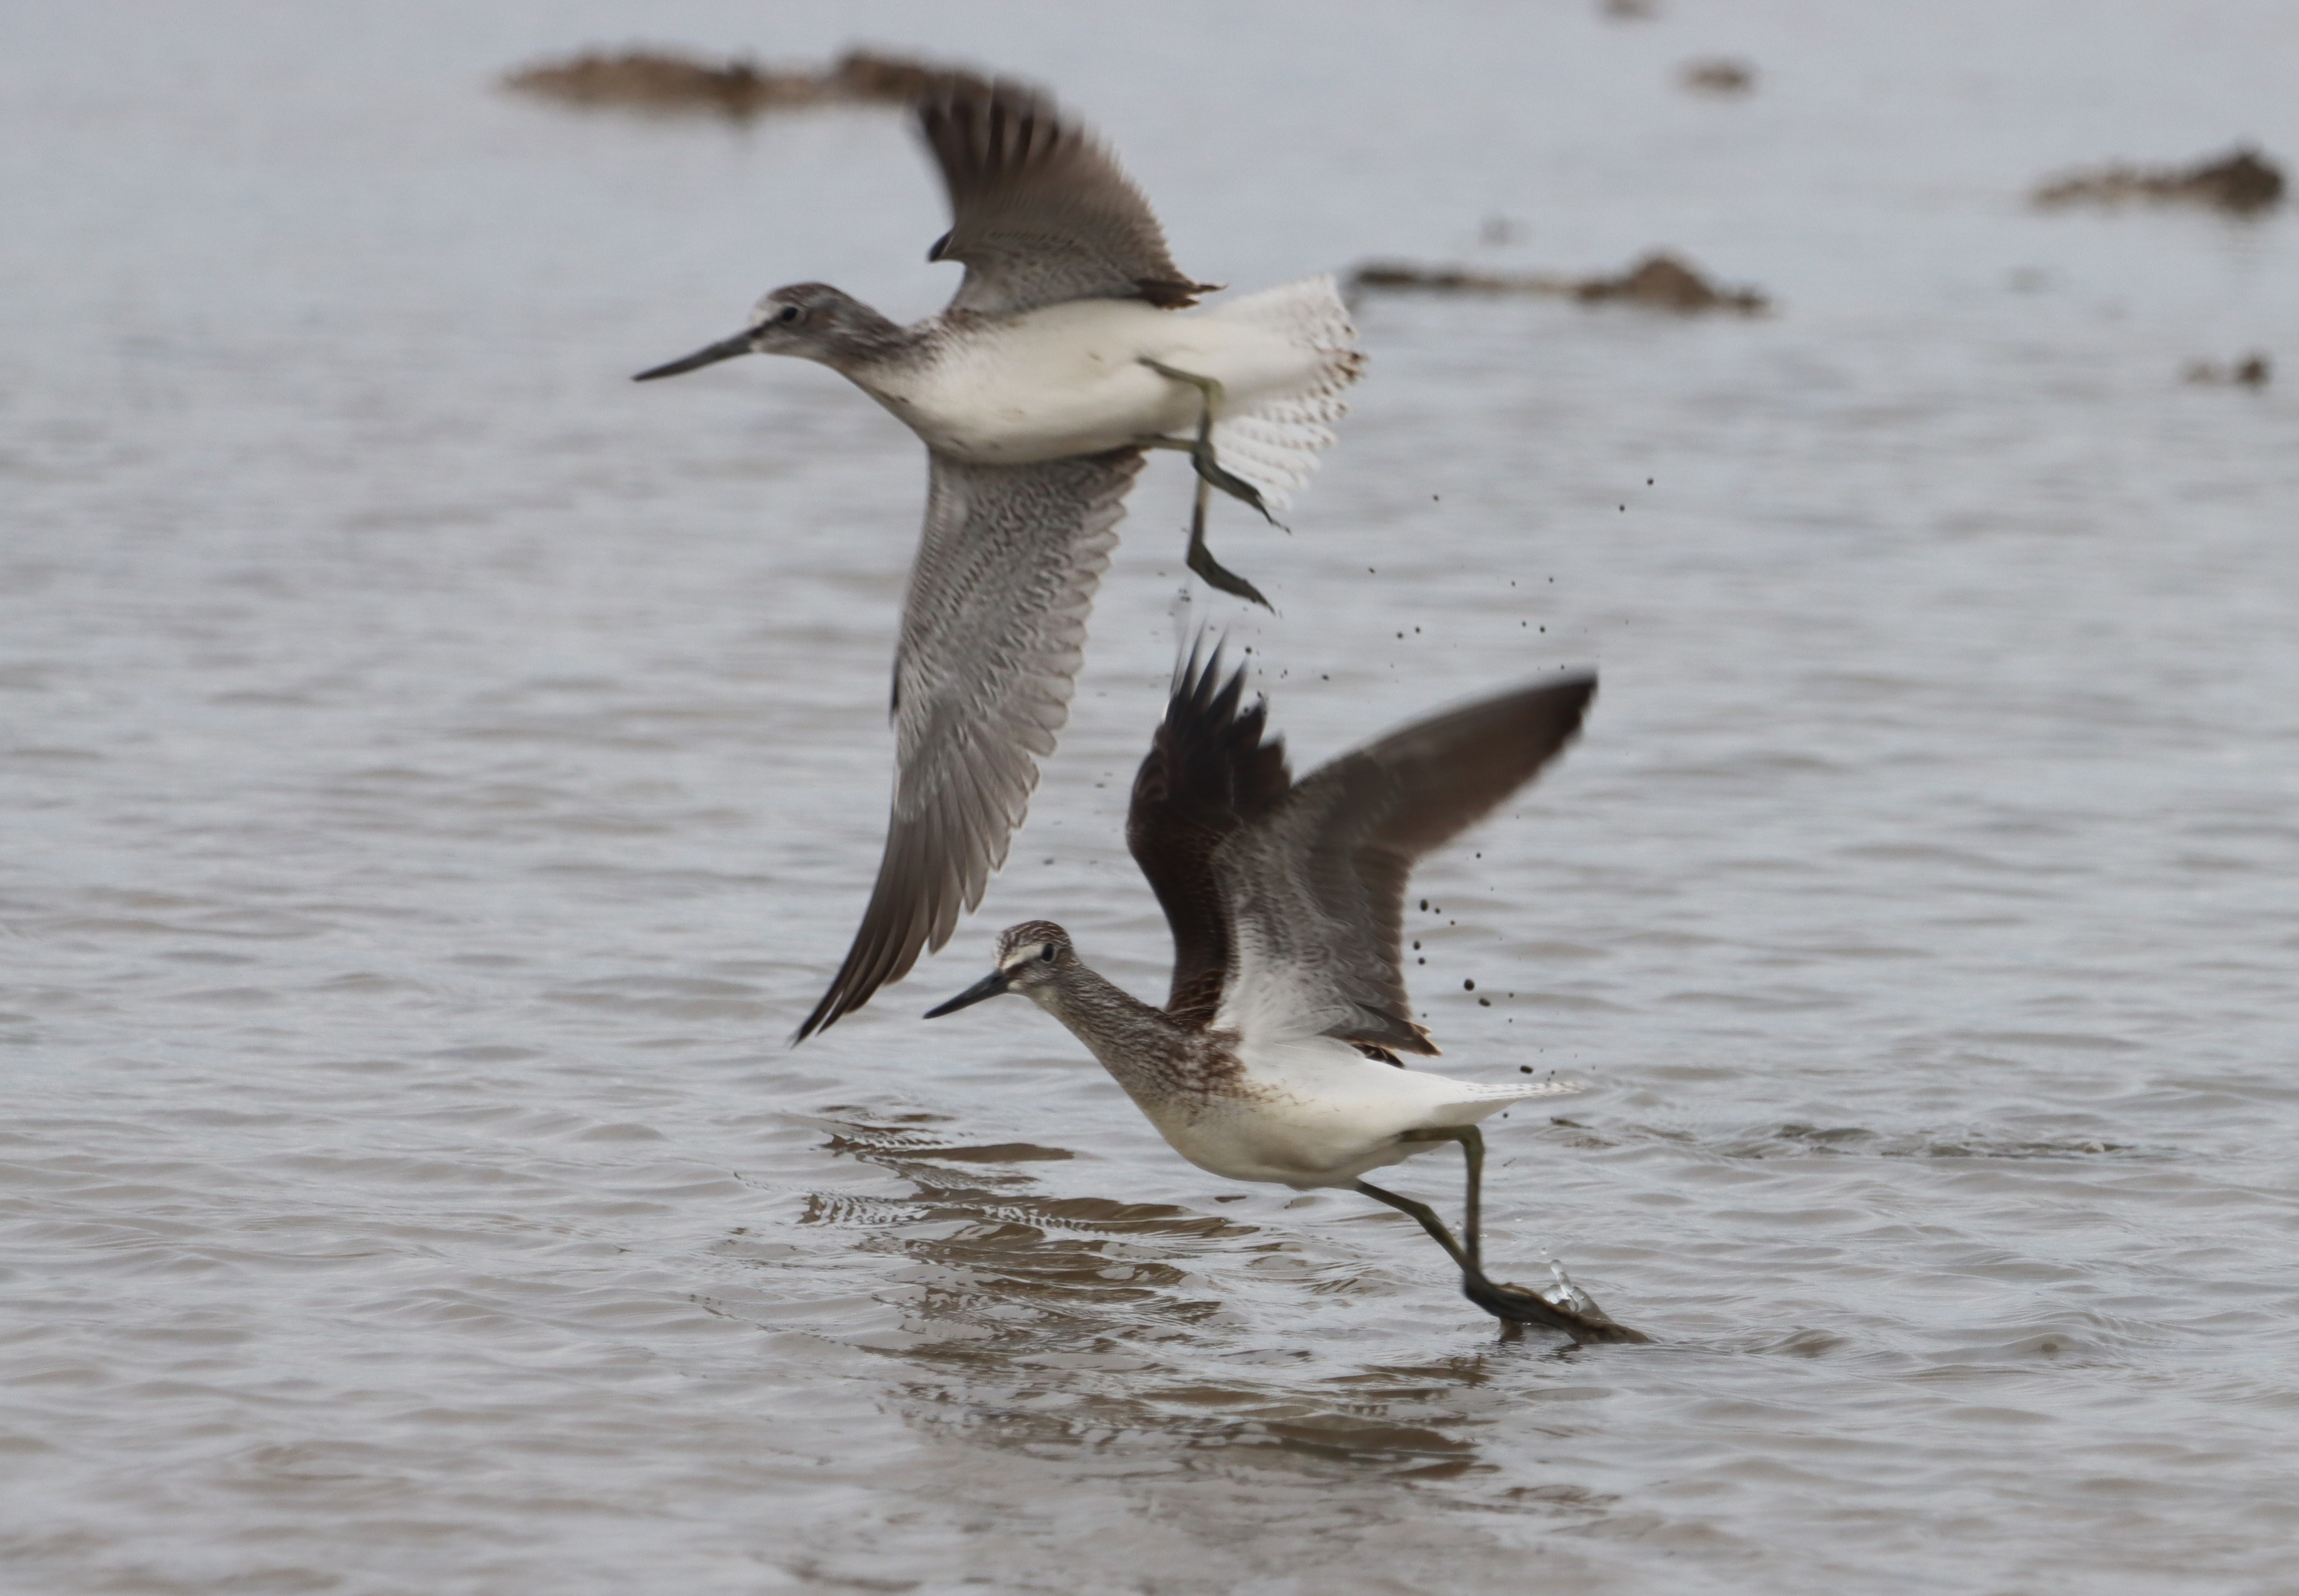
(438, 775)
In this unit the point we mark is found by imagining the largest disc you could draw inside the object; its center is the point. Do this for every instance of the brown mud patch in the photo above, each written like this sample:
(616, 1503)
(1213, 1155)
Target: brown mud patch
(665, 83)
(2243, 182)
(1660, 282)
(1720, 77)
(2254, 370)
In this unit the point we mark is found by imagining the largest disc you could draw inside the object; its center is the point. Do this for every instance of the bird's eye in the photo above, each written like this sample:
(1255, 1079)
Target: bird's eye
(1048, 955)
(790, 313)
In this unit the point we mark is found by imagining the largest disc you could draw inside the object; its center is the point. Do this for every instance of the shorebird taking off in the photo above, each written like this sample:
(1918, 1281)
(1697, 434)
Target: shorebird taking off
(1275, 1055)
(1060, 360)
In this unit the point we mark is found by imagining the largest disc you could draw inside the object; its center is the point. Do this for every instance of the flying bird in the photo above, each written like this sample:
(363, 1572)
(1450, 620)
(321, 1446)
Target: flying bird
(1061, 359)
(1275, 1056)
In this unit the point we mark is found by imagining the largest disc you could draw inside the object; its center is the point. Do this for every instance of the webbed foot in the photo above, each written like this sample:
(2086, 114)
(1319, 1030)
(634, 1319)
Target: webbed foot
(1217, 575)
(1584, 1322)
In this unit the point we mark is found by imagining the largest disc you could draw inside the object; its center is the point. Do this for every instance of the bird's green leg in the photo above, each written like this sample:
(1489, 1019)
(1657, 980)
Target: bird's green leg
(1473, 1153)
(1426, 1215)
(1211, 476)
(1201, 560)
(1201, 452)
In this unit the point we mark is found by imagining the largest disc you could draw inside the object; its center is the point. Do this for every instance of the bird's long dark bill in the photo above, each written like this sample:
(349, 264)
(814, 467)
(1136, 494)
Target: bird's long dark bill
(725, 349)
(989, 986)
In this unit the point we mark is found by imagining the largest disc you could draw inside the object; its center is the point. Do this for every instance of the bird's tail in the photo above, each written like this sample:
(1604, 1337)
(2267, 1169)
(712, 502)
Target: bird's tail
(1275, 443)
(1466, 1102)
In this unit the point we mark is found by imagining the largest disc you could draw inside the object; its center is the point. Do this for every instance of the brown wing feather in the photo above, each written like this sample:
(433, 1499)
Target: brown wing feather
(1208, 772)
(993, 632)
(1040, 213)
(1322, 882)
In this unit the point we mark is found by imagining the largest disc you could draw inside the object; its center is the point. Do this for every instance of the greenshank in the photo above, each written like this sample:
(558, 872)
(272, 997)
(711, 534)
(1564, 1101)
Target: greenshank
(1060, 359)
(1275, 1057)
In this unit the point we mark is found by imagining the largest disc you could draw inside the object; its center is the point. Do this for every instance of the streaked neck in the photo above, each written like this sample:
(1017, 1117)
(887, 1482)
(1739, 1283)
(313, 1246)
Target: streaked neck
(866, 341)
(1142, 1046)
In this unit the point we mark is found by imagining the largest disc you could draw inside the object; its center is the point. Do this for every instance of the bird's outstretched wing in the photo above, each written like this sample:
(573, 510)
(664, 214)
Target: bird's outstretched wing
(993, 630)
(1316, 890)
(1039, 214)
(1207, 776)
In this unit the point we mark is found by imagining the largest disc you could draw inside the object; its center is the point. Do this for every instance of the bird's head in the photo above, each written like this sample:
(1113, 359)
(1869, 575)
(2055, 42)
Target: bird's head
(1032, 957)
(811, 321)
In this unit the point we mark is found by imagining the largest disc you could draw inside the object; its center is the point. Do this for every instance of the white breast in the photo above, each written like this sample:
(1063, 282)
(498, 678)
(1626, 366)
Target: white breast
(1315, 1111)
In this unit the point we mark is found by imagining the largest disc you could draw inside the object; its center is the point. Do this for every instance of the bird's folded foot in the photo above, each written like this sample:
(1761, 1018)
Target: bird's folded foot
(1583, 1320)
(1211, 474)
(1211, 470)
(1217, 575)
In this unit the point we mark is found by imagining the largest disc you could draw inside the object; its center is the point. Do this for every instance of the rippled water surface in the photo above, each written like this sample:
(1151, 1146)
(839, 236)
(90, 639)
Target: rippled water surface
(438, 774)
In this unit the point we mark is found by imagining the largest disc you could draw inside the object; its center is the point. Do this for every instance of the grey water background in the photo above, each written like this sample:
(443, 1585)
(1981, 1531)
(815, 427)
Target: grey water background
(439, 774)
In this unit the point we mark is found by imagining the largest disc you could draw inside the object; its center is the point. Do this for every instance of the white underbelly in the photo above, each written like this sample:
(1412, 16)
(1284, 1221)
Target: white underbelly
(1297, 1143)
(1314, 1111)
(1070, 380)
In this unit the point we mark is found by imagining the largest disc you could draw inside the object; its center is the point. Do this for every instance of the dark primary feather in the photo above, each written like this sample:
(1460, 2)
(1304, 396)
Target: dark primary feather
(1316, 891)
(993, 632)
(1208, 772)
(1040, 213)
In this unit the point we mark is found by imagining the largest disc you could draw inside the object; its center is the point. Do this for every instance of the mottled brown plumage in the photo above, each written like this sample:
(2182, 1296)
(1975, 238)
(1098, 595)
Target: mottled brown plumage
(1306, 882)
(1207, 774)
